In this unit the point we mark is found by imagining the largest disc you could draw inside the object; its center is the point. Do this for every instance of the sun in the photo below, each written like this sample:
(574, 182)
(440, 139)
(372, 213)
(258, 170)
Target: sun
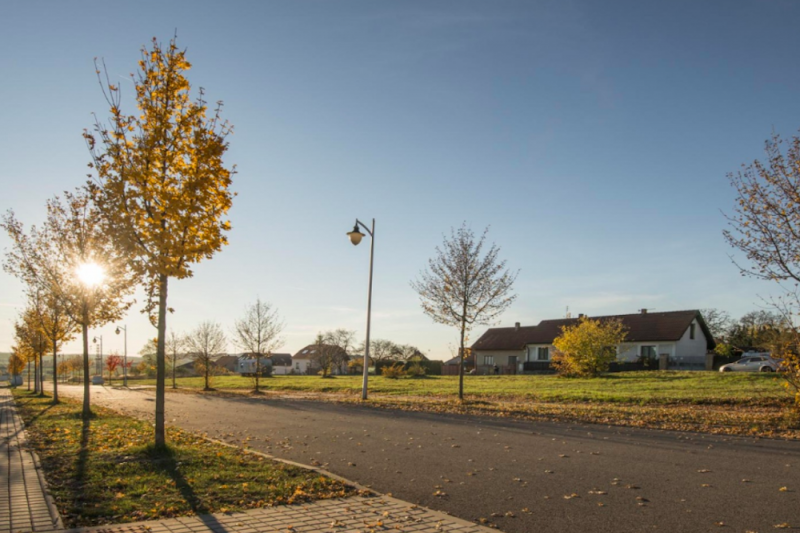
(90, 274)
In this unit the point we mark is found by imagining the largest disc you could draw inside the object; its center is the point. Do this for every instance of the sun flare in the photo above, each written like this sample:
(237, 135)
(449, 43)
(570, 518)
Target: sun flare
(91, 274)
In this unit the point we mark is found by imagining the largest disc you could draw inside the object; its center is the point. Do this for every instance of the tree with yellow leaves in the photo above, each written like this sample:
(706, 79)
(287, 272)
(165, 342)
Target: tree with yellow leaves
(588, 347)
(160, 181)
(765, 226)
(56, 264)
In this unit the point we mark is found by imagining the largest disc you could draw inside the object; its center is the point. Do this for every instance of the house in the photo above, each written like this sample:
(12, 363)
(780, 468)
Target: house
(228, 362)
(450, 367)
(682, 337)
(305, 360)
(281, 363)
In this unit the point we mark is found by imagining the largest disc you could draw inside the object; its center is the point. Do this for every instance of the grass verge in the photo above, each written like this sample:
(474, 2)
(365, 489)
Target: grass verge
(105, 471)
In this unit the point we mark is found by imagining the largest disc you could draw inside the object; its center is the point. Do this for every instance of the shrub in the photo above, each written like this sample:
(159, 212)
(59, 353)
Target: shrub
(416, 370)
(393, 372)
(587, 348)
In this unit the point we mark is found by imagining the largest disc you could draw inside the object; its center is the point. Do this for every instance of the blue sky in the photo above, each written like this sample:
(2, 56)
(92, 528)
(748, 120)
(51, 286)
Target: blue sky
(594, 139)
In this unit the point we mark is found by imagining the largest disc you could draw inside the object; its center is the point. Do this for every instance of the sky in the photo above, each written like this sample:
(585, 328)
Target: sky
(592, 138)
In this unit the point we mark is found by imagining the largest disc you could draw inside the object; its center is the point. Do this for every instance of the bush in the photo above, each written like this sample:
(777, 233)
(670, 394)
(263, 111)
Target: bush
(587, 348)
(394, 371)
(416, 370)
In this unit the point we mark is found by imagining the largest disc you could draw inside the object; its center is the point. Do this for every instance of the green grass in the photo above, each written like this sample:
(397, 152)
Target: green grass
(711, 388)
(105, 470)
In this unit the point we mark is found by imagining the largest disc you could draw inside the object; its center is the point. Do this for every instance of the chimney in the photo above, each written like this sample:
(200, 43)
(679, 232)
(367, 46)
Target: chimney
(644, 311)
(581, 315)
(516, 326)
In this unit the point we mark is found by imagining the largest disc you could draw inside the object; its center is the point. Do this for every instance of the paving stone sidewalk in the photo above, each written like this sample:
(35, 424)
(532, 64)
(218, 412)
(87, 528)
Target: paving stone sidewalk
(24, 504)
(26, 507)
(348, 515)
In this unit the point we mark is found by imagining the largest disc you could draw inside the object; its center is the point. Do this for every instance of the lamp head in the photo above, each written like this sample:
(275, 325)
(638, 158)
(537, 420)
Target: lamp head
(117, 330)
(355, 235)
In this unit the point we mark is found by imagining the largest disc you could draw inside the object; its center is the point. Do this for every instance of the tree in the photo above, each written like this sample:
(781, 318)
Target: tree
(204, 342)
(409, 353)
(147, 365)
(113, 362)
(74, 263)
(258, 333)
(16, 364)
(326, 355)
(161, 183)
(174, 349)
(718, 322)
(382, 350)
(465, 287)
(588, 347)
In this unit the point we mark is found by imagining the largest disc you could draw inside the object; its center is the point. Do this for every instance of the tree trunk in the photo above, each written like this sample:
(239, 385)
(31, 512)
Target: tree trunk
(29, 375)
(160, 437)
(87, 408)
(258, 369)
(41, 374)
(207, 368)
(35, 374)
(174, 357)
(55, 373)
(461, 360)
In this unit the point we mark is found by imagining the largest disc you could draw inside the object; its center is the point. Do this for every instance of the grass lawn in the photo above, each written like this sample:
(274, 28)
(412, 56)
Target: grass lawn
(711, 388)
(734, 404)
(104, 471)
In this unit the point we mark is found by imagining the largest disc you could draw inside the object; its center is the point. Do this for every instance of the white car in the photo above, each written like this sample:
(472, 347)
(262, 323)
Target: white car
(752, 363)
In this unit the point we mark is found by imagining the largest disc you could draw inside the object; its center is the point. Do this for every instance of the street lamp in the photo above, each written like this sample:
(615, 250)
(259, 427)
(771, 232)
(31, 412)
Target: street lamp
(355, 238)
(100, 357)
(125, 357)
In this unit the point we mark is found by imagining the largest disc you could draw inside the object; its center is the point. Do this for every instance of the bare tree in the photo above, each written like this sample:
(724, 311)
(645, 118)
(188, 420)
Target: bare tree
(345, 339)
(258, 333)
(464, 286)
(382, 350)
(174, 347)
(327, 355)
(204, 342)
(718, 322)
(407, 352)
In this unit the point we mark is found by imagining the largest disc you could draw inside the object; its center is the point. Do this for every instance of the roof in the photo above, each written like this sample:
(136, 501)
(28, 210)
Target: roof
(281, 359)
(454, 361)
(227, 360)
(641, 327)
(309, 351)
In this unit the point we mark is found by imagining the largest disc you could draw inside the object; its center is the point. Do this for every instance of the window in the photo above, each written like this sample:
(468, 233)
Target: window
(488, 359)
(691, 331)
(648, 352)
(297, 366)
(543, 353)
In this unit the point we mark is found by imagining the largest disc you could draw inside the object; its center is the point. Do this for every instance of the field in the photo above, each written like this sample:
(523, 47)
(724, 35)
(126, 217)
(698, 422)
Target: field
(711, 402)
(710, 388)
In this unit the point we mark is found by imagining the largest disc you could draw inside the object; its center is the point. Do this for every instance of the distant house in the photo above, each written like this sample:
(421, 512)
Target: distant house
(682, 336)
(304, 361)
(228, 362)
(450, 367)
(281, 363)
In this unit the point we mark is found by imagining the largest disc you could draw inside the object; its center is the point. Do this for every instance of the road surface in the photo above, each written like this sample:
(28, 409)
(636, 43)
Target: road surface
(521, 476)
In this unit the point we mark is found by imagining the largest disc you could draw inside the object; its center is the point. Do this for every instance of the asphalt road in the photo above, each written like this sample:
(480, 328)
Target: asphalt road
(520, 476)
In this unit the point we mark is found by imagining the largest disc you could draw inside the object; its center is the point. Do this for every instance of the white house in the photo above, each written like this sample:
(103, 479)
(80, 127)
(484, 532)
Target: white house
(681, 336)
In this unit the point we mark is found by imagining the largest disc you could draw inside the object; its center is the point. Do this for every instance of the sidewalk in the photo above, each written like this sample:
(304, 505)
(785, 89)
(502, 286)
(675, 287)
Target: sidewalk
(25, 505)
(23, 496)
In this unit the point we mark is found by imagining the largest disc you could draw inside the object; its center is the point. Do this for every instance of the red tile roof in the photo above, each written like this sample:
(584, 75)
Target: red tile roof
(641, 327)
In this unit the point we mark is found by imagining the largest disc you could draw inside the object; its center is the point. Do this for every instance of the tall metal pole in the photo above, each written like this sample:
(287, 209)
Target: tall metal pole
(369, 312)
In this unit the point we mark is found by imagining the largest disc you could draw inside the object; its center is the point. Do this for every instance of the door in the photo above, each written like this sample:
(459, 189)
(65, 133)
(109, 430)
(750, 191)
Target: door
(512, 363)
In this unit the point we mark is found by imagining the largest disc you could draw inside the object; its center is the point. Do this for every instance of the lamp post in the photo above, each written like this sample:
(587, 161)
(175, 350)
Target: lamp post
(99, 357)
(355, 238)
(125, 356)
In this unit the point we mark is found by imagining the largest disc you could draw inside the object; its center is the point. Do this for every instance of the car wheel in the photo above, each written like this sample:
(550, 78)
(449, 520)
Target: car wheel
(766, 369)
(727, 370)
